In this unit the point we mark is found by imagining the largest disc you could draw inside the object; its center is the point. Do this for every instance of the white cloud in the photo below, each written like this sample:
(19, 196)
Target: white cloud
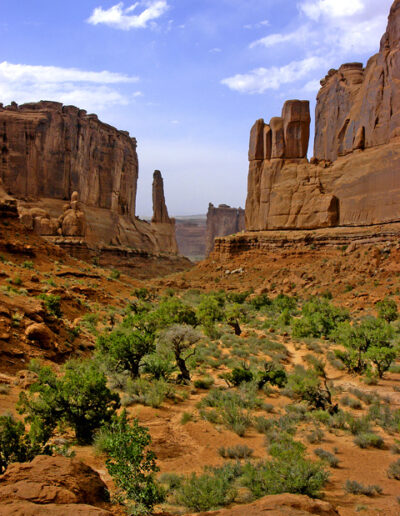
(86, 89)
(328, 33)
(119, 18)
(274, 39)
(264, 23)
(215, 50)
(332, 8)
(262, 79)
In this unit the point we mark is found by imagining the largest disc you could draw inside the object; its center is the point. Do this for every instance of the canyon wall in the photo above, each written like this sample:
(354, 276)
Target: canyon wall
(222, 221)
(354, 177)
(75, 178)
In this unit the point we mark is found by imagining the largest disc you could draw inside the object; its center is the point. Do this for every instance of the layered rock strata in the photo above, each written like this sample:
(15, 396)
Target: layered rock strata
(354, 177)
(50, 154)
(222, 221)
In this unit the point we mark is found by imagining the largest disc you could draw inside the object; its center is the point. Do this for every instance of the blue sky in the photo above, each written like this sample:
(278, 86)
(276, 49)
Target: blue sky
(187, 78)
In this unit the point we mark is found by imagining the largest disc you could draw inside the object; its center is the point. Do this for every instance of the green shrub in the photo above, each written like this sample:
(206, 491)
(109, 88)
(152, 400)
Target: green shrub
(288, 472)
(394, 470)
(260, 301)
(204, 383)
(205, 492)
(239, 375)
(369, 440)
(387, 309)
(170, 480)
(272, 374)
(80, 399)
(240, 451)
(115, 274)
(52, 304)
(131, 465)
(186, 417)
(319, 318)
(354, 487)
(328, 457)
(15, 444)
(315, 436)
(159, 365)
(28, 264)
(150, 393)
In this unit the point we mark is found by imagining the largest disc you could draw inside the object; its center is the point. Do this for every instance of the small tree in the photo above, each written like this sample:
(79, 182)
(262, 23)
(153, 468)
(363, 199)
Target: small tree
(180, 339)
(235, 314)
(209, 312)
(371, 334)
(173, 311)
(80, 399)
(130, 463)
(387, 309)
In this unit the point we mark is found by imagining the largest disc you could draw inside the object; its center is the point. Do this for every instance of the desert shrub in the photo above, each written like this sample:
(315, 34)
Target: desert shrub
(28, 264)
(52, 304)
(311, 385)
(210, 490)
(186, 417)
(315, 436)
(351, 402)
(387, 309)
(319, 318)
(208, 313)
(237, 297)
(79, 399)
(143, 294)
(206, 382)
(262, 424)
(115, 274)
(260, 301)
(354, 487)
(159, 365)
(240, 451)
(272, 374)
(369, 440)
(394, 470)
(384, 417)
(16, 445)
(288, 472)
(239, 375)
(151, 393)
(328, 457)
(366, 342)
(282, 303)
(395, 448)
(170, 480)
(131, 464)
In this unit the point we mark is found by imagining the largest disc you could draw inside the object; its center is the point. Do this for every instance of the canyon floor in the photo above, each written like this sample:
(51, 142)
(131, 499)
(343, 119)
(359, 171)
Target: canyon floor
(185, 438)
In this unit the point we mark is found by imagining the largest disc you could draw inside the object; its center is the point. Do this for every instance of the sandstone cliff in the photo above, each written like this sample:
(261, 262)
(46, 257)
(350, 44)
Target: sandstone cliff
(75, 179)
(222, 221)
(354, 177)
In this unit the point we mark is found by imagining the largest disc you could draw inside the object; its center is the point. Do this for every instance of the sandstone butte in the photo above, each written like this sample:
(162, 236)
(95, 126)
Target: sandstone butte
(353, 178)
(222, 221)
(75, 182)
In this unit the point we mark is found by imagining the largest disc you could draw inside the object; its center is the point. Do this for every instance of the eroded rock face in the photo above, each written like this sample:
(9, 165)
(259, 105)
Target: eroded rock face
(354, 176)
(51, 485)
(50, 154)
(222, 221)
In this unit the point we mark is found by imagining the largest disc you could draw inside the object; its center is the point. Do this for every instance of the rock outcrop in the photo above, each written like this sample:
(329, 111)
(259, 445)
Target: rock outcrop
(52, 485)
(164, 226)
(354, 176)
(222, 221)
(50, 154)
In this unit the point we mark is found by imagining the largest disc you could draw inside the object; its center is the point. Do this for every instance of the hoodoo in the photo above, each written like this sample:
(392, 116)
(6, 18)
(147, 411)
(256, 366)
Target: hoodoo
(354, 177)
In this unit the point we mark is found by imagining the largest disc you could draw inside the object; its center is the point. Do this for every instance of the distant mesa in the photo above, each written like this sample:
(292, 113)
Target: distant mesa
(354, 177)
(222, 221)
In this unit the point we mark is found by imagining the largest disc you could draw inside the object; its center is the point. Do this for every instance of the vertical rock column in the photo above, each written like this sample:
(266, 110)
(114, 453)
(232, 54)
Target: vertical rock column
(160, 212)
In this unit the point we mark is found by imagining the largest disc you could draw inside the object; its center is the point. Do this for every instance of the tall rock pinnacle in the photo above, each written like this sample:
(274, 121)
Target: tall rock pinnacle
(160, 212)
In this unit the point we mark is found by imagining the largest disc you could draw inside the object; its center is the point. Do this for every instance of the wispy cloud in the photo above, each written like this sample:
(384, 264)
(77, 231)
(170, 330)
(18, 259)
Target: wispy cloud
(328, 33)
(262, 79)
(86, 89)
(122, 18)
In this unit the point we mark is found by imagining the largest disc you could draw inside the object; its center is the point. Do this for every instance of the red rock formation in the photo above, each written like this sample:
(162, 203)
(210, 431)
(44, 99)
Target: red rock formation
(52, 485)
(51, 153)
(223, 221)
(353, 178)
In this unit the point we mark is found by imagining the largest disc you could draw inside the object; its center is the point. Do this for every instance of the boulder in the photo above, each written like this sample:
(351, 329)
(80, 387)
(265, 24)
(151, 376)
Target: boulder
(40, 334)
(52, 485)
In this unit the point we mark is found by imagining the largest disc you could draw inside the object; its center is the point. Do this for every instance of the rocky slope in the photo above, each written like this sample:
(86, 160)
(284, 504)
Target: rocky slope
(352, 180)
(222, 221)
(75, 179)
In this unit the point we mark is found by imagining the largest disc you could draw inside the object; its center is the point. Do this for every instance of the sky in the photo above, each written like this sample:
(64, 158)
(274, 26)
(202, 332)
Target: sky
(187, 78)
